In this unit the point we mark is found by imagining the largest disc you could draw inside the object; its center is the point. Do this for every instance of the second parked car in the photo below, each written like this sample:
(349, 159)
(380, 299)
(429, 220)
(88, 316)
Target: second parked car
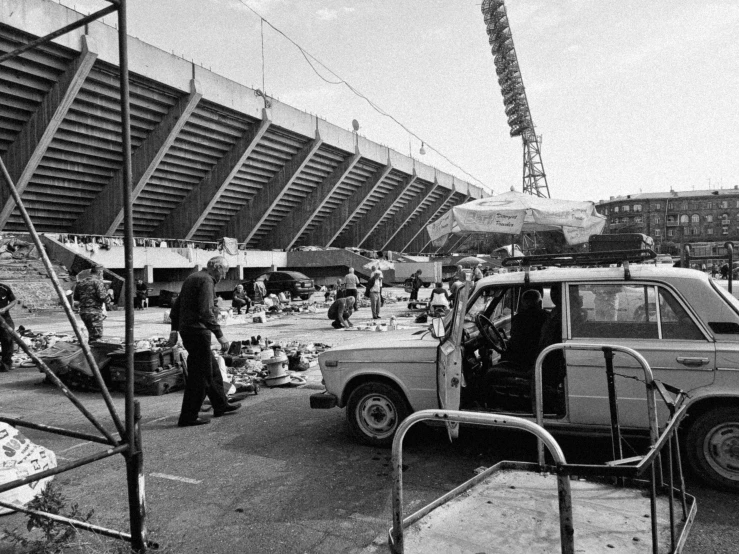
(298, 285)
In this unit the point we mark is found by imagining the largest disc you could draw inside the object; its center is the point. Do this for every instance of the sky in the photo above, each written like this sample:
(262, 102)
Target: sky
(629, 96)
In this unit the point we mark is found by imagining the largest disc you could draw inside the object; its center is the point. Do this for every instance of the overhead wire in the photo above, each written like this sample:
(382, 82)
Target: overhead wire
(341, 81)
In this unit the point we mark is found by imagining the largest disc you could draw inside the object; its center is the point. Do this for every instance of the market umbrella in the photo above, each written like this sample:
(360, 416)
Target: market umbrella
(382, 265)
(513, 213)
(471, 260)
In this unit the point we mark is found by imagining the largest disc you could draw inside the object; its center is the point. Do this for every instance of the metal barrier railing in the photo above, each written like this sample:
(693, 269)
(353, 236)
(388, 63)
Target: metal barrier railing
(619, 469)
(635, 467)
(494, 420)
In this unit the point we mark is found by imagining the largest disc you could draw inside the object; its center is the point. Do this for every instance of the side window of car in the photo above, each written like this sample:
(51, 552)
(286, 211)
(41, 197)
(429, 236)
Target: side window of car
(612, 311)
(676, 323)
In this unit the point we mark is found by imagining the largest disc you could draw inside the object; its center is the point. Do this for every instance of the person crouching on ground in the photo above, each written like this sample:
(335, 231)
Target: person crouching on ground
(240, 300)
(340, 311)
(195, 317)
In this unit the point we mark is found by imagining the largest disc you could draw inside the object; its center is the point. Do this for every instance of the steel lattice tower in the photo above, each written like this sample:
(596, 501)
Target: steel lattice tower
(514, 96)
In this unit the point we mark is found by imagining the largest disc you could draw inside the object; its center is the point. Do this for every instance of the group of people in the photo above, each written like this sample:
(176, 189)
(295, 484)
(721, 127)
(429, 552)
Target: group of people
(346, 301)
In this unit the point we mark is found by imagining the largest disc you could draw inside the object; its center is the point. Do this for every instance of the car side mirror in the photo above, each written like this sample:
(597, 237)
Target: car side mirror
(437, 328)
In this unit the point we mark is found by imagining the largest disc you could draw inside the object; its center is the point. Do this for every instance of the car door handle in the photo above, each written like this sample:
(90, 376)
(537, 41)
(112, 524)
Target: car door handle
(692, 362)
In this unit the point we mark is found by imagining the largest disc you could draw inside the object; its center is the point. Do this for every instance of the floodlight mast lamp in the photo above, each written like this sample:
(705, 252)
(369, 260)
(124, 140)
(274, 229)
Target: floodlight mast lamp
(514, 96)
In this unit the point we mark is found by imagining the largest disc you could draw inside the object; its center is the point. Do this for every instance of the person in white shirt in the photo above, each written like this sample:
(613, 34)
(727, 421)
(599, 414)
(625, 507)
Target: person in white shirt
(439, 299)
(374, 291)
(351, 282)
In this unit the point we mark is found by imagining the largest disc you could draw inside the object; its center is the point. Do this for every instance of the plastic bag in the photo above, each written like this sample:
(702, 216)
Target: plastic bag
(19, 457)
(228, 387)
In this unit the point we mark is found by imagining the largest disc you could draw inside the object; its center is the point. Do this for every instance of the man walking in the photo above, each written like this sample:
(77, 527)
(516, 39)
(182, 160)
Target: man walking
(194, 316)
(416, 285)
(92, 296)
(351, 282)
(374, 291)
(7, 301)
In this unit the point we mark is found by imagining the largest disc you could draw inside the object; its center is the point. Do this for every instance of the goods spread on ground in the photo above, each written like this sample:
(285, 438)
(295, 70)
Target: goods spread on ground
(159, 368)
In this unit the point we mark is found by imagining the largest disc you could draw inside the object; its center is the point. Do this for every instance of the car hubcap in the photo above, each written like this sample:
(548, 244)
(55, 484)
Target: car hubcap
(376, 416)
(722, 450)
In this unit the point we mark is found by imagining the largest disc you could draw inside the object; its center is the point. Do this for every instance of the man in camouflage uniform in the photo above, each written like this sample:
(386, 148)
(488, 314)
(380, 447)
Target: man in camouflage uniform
(92, 295)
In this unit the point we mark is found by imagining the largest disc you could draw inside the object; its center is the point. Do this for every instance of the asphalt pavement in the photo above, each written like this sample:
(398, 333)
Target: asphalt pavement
(276, 476)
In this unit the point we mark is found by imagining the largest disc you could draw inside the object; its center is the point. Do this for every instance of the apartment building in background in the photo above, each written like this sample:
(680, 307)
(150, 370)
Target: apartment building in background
(705, 219)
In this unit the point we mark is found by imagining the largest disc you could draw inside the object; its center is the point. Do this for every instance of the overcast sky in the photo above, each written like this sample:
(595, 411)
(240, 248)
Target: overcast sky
(628, 95)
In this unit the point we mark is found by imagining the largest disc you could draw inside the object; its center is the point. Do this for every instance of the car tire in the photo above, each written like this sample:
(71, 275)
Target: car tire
(712, 447)
(305, 296)
(374, 412)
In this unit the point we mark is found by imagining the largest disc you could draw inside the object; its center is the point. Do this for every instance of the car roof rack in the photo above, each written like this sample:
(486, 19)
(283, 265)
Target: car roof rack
(590, 259)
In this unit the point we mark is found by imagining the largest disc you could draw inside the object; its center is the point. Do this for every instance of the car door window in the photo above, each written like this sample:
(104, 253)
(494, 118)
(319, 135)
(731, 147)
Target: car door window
(613, 311)
(676, 323)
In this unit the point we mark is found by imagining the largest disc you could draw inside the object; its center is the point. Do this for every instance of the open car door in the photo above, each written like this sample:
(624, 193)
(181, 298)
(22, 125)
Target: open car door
(449, 362)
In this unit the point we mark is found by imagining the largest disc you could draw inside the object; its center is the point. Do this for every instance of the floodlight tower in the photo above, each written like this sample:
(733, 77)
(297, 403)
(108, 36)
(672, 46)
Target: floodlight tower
(514, 96)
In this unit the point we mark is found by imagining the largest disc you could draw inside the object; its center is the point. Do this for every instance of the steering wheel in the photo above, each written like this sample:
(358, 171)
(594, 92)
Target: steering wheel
(491, 334)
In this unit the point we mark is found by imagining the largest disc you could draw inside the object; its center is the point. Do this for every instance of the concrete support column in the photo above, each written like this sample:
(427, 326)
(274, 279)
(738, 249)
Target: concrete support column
(148, 273)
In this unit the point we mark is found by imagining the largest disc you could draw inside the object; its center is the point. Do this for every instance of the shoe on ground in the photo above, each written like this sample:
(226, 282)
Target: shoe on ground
(229, 409)
(205, 408)
(193, 423)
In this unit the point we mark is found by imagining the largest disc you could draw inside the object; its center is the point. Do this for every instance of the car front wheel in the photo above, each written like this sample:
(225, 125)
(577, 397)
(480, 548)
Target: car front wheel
(374, 411)
(712, 447)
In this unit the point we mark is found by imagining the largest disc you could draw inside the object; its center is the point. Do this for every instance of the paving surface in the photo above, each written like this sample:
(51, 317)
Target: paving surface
(276, 477)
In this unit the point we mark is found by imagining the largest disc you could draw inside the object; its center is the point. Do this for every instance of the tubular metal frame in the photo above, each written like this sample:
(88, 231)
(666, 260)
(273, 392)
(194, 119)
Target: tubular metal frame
(633, 468)
(619, 469)
(129, 442)
(396, 534)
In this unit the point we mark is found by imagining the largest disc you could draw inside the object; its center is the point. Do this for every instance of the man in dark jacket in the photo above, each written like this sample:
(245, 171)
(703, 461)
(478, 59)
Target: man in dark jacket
(194, 317)
(526, 326)
(142, 292)
(7, 301)
(416, 285)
